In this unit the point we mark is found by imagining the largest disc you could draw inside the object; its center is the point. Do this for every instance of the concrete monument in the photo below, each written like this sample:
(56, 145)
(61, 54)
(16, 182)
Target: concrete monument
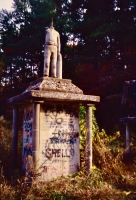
(51, 120)
(52, 55)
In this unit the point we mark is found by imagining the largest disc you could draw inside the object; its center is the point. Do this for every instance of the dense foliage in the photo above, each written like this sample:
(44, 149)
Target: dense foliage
(98, 47)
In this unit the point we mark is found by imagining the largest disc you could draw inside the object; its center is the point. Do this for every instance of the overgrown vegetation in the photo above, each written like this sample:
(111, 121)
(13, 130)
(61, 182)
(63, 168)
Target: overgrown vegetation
(98, 47)
(112, 177)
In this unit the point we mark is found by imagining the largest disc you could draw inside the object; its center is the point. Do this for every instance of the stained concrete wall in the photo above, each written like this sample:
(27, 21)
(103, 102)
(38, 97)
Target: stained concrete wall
(58, 140)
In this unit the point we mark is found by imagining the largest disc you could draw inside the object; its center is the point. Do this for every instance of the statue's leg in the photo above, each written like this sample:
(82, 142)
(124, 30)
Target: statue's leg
(47, 55)
(54, 61)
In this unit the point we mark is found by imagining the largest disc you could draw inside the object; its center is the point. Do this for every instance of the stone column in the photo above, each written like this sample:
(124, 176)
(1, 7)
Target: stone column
(14, 138)
(89, 137)
(35, 136)
(127, 139)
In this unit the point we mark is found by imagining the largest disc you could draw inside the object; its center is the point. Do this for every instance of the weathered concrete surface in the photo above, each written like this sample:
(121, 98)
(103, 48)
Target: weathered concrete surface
(51, 127)
(36, 134)
(14, 138)
(51, 139)
(59, 140)
(28, 126)
(54, 84)
(89, 137)
(47, 89)
(53, 96)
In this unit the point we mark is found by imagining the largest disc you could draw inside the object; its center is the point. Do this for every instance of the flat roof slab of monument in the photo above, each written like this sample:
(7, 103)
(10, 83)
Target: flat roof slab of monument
(50, 89)
(36, 95)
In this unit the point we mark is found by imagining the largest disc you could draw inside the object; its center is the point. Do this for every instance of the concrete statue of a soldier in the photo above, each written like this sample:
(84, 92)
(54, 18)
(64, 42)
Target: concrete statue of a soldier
(52, 56)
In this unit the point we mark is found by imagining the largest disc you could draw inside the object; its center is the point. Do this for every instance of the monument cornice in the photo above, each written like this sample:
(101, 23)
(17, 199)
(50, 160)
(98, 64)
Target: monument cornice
(48, 88)
(55, 96)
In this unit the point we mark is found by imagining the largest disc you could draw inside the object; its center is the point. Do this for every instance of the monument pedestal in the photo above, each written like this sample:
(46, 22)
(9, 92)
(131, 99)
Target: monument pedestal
(51, 127)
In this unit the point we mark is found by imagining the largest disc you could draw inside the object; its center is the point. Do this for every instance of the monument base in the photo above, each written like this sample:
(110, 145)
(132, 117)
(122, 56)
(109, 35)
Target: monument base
(58, 140)
(51, 127)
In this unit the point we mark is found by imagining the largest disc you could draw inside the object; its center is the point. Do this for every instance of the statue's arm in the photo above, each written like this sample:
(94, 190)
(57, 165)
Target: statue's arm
(58, 43)
(45, 38)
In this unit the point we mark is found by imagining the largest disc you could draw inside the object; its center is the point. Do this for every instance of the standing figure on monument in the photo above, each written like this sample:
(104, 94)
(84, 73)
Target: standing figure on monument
(52, 56)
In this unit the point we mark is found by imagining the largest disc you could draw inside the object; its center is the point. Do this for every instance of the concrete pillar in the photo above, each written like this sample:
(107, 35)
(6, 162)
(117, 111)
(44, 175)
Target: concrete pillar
(14, 138)
(35, 140)
(89, 137)
(127, 139)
